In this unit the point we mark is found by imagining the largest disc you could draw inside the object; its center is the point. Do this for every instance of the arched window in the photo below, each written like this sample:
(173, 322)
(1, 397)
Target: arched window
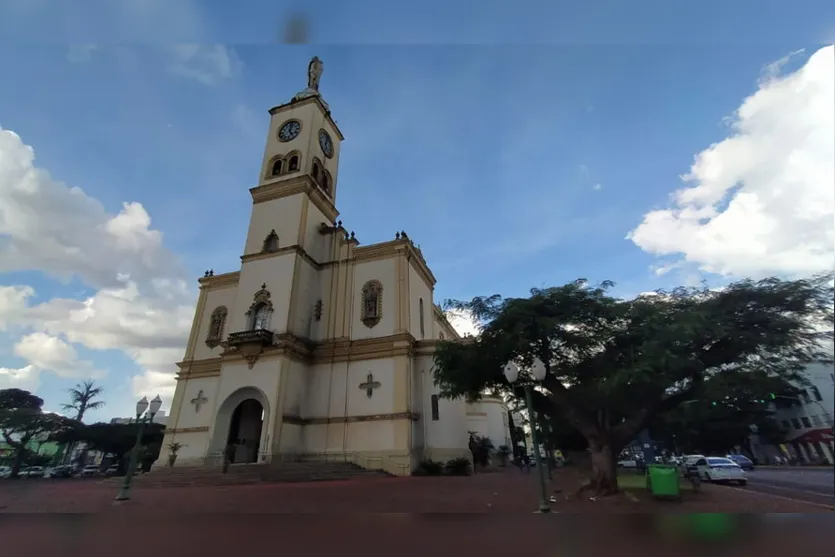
(293, 165)
(260, 317)
(326, 183)
(270, 242)
(315, 171)
(420, 309)
(261, 309)
(435, 410)
(277, 167)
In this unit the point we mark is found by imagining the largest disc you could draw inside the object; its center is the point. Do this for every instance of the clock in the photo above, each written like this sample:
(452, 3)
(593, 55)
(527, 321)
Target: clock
(289, 130)
(325, 143)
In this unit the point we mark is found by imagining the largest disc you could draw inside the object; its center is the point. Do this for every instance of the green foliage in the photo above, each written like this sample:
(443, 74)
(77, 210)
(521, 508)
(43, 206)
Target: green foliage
(115, 439)
(82, 399)
(614, 365)
(480, 448)
(23, 420)
(458, 467)
(722, 416)
(429, 467)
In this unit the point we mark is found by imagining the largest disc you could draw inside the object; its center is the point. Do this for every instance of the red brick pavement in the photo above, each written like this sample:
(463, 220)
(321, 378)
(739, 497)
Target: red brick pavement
(208, 521)
(507, 492)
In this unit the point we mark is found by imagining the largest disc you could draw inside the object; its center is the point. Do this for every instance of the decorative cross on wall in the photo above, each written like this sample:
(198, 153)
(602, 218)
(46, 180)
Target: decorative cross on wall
(199, 400)
(369, 385)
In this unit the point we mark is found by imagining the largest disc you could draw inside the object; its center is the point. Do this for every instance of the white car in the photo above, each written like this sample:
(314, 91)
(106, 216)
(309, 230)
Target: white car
(716, 469)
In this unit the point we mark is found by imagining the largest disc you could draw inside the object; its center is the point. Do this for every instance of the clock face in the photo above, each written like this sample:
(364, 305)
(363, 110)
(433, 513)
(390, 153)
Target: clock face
(325, 143)
(289, 131)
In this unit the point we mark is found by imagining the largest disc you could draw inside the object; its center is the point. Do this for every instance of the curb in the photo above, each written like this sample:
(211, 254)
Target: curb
(768, 467)
(773, 496)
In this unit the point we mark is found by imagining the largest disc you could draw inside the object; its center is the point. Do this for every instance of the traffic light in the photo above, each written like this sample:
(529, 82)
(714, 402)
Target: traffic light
(772, 396)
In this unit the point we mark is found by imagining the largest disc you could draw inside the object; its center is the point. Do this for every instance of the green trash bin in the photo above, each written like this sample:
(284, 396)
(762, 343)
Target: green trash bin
(662, 480)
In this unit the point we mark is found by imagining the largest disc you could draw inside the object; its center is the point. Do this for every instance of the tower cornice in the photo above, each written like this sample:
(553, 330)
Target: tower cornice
(309, 100)
(300, 184)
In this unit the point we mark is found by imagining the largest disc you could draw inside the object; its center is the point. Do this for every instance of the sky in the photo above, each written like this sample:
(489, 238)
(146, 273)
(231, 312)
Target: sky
(646, 143)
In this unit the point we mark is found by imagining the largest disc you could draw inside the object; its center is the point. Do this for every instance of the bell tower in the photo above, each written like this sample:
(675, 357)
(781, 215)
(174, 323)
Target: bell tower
(295, 197)
(303, 139)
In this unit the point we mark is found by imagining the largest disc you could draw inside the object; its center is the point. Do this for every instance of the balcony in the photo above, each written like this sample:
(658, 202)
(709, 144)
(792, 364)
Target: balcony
(262, 337)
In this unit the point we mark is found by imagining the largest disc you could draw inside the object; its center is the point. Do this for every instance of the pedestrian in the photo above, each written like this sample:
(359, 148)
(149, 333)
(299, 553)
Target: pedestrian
(526, 461)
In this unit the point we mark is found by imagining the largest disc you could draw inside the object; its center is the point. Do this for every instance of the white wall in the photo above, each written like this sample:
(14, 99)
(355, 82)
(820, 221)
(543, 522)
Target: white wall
(420, 290)
(488, 418)
(214, 298)
(450, 430)
(282, 215)
(277, 273)
(383, 270)
(818, 413)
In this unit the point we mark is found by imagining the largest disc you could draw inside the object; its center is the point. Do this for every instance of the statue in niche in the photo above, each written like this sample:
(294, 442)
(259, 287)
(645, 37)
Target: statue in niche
(216, 324)
(372, 303)
(270, 242)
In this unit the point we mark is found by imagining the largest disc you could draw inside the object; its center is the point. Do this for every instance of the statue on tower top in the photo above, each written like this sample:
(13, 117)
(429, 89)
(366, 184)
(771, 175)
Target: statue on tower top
(314, 73)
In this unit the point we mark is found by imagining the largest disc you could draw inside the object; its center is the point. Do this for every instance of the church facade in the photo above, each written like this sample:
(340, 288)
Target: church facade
(318, 347)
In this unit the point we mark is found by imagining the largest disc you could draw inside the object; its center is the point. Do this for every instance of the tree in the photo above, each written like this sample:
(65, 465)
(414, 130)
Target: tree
(115, 439)
(721, 418)
(614, 365)
(22, 420)
(82, 399)
(480, 448)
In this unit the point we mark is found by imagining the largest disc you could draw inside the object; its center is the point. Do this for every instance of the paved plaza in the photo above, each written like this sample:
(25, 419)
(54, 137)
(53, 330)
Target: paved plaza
(499, 492)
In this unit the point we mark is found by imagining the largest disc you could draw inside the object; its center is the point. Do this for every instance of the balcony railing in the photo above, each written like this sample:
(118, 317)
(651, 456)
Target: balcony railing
(257, 336)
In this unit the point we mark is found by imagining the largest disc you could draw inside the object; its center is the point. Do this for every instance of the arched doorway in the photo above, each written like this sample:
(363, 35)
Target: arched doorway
(242, 420)
(245, 431)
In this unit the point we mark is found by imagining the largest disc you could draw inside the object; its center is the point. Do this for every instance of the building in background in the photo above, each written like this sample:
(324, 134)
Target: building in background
(488, 418)
(809, 419)
(159, 418)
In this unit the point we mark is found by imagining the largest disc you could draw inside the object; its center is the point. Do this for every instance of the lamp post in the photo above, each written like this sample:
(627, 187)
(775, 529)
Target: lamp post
(141, 419)
(537, 372)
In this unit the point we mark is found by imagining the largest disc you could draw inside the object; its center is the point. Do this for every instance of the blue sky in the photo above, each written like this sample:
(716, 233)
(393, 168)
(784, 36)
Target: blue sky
(518, 152)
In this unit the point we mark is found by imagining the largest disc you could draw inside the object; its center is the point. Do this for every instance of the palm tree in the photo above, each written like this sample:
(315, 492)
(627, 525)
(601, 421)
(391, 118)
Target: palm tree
(82, 399)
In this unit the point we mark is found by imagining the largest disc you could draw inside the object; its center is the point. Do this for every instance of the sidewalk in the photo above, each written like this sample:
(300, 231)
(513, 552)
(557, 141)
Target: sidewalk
(504, 492)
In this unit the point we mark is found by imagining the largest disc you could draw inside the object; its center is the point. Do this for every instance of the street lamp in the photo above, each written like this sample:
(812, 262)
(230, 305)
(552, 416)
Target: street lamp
(141, 419)
(537, 372)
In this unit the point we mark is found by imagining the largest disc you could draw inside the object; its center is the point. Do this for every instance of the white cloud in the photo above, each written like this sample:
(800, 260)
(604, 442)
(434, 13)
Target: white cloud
(142, 305)
(208, 64)
(762, 201)
(597, 187)
(463, 322)
(26, 378)
(53, 354)
(12, 304)
(47, 226)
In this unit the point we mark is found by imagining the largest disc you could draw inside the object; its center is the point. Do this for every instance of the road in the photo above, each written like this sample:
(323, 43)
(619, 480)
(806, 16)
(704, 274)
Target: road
(815, 486)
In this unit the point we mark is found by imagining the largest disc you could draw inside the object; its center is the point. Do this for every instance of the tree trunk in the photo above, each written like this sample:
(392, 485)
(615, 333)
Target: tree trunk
(17, 462)
(604, 471)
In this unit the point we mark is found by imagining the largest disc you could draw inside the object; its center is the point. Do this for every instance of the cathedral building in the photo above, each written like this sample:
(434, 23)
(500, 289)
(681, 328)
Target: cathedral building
(318, 346)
